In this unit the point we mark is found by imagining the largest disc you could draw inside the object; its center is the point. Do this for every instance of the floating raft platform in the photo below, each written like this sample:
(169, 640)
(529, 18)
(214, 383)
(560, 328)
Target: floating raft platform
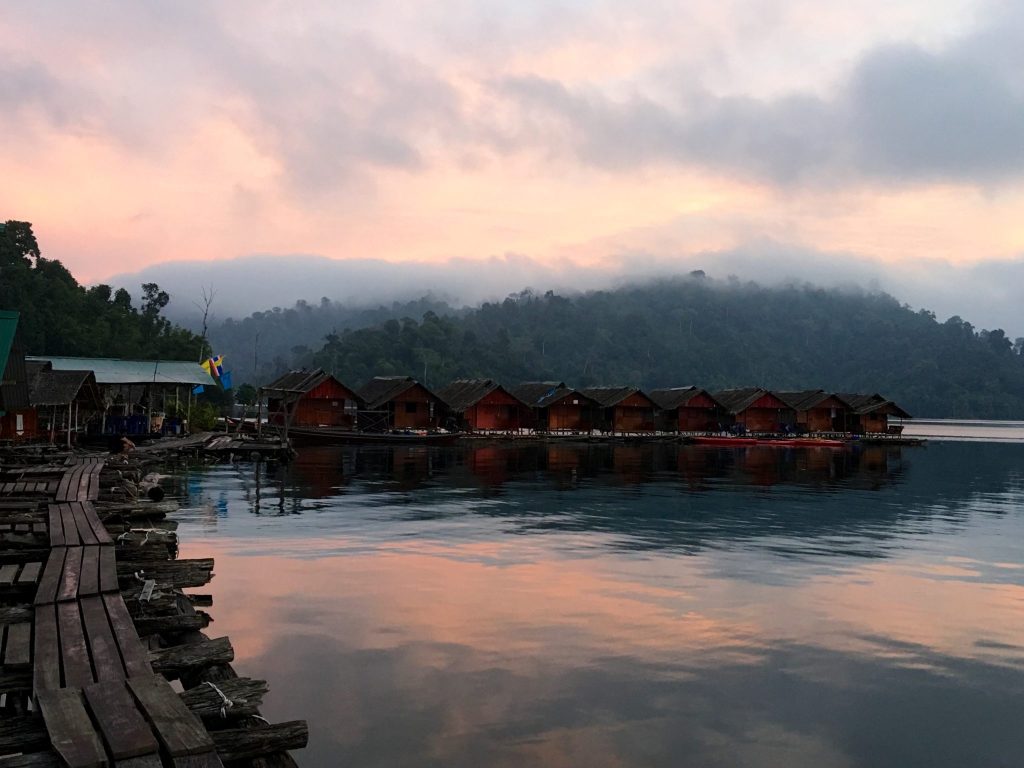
(95, 626)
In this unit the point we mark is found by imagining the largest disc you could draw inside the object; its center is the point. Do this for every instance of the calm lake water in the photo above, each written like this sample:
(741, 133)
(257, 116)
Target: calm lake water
(628, 605)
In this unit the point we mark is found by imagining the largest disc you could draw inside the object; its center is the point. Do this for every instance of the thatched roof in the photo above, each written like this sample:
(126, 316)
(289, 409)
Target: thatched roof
(674, 397)
(50, 387)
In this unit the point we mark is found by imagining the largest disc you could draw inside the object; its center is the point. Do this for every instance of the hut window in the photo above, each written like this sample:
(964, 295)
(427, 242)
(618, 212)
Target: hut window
(334, 403)
(410, 407)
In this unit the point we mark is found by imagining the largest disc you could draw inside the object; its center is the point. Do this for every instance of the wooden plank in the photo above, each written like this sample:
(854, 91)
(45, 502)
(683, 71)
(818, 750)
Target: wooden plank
(106, 659)
(70, 529)
(89, 583)
(108, 570)
(94, 484)
(46, 592)
(8, 573)
(136, 659)
(45, 650)
(178, 729)
(70, 575)
(62, 486)
(74, 651)
(122, 725)
(98, 528)
(85, 532)
(145, 761)
(40, 529)
(71, 730)
(29, 574)
(18, 650)
(83, 483)
(207, 760)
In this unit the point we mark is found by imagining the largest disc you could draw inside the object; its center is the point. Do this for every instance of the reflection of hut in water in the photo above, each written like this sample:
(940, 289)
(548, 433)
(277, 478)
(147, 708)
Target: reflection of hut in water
(816, 410)
(755, 409)
(556, 407)
(312, 399)
(686, 409)
(633, 464)
(483, 404)
(873, 414)
(400, 402)
(622, 409)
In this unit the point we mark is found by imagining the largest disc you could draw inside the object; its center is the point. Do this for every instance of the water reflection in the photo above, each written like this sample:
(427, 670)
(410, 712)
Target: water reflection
(628, 605)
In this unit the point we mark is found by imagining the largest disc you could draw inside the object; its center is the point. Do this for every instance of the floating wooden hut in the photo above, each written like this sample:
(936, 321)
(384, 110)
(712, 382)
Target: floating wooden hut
(400, 402)
(873, 414)
(622, 409)
(816, 410)
(556, 407)
(312, 399)
(65, 401)
(686, 409)
(483, 405)
(17, 416)
(755, 409)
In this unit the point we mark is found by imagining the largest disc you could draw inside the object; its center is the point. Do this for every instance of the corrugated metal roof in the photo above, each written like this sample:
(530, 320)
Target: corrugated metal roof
(803, 400)
(465, 393)
(382, 389)
(110, 371)
(864, 404)
(738, 400)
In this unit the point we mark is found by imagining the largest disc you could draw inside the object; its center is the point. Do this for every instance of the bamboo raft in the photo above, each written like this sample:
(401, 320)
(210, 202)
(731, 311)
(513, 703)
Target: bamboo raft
(94, 626)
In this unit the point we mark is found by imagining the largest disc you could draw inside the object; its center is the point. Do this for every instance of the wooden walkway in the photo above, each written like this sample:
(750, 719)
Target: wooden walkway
(91, 676)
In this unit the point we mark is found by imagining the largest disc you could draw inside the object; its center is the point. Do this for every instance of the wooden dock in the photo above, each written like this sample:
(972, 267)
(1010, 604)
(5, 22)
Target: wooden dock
(85, 678)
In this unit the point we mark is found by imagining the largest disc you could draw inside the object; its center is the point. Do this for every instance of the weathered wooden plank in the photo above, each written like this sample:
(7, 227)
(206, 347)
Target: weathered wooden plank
(45, 650)
(70, 529)
(207, 760)
(74, 651)
(8, 573)
(15, 614)
(18, 650)
(83, 482)
(144, 761)
(108, 570)
(245, 694)
(106, 659)
(122, 725)
(94, 483)
(178, 729)
(89, 582)
(40, 529)
(177, 659)
(50, 582)
(70, 575)
(85, 532)
(247, 743)
(71, 730)
(99, 530)
(29, 574)
(33, 759)
(136, 660)
(21, 733)
(64, 485)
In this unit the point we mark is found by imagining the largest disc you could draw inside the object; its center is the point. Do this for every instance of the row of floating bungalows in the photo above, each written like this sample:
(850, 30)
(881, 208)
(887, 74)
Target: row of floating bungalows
(317, 399)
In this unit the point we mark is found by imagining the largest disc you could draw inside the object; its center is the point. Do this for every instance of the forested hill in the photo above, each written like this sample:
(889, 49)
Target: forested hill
(699, 331)
(61, 317)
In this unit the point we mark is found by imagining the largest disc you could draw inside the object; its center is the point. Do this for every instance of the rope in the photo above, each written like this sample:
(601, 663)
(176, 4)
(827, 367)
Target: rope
(226, 703)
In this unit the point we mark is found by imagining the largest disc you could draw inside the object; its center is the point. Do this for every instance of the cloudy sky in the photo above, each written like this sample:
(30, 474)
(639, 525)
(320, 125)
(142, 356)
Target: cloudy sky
(875, 137)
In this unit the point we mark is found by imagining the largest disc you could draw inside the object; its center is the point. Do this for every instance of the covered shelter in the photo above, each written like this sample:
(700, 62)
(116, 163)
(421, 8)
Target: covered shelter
(622, 409)
(138, 393)
(873, 414)
(686, 409)
(17, 416)
(483, 404)
(817, 410)
(65, 401)
(399, 402)
(755, 409)
(311, 399)
(556, 407)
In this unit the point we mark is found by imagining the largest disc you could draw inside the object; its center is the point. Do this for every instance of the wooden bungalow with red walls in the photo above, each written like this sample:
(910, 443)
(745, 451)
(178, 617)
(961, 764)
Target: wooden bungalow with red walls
(400, 402)
(556, 407)
(312, 399)
(17, 416)
(873, 414)
(686, 409)
(622, 409)
(817, 410)
(755, 409)
(481, 405)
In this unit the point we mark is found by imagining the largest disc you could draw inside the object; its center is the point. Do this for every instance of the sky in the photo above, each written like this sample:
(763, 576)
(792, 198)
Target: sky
(484, 142)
